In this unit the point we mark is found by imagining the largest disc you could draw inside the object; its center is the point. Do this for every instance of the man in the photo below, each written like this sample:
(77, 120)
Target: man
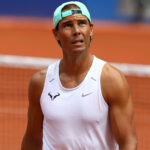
(80, 102)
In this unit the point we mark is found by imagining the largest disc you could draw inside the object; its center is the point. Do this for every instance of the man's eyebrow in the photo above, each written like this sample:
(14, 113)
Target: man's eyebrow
(65, 22)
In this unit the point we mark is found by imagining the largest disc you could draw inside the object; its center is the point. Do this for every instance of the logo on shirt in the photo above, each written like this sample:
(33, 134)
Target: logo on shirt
(53, 96)
(52, 80)
(93, 78)
(87, 94)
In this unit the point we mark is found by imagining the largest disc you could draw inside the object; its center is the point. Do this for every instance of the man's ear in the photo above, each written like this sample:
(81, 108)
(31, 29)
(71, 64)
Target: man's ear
(55, 33)
(91, 33)
(91, 26)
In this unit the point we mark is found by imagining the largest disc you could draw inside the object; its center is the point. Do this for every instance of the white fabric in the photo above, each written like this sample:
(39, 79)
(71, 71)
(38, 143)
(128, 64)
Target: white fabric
(76, 118)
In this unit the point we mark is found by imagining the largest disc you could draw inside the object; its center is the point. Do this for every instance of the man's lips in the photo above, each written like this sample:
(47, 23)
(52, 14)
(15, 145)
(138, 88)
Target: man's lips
(78, 41)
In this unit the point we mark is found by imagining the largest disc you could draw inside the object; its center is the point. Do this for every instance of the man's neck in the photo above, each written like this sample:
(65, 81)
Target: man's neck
(74, 65)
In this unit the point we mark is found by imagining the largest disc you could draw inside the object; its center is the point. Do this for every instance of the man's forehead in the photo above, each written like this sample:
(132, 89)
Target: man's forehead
(73, 18)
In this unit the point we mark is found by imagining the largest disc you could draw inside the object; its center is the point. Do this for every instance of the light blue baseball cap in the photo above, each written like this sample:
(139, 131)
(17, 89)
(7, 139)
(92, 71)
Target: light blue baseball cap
(59, 15)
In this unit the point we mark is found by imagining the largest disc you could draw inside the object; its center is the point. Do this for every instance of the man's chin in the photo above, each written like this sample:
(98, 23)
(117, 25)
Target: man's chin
(78, 49)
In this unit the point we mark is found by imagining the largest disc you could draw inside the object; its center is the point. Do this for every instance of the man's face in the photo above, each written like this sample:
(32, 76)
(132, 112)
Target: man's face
(74, 33)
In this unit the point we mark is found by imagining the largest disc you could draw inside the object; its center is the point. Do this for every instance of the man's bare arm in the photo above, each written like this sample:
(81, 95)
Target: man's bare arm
(116, 93)
(33, 136)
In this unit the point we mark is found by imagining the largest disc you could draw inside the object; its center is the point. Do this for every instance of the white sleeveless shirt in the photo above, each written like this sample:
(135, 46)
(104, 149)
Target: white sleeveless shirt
(76, 118)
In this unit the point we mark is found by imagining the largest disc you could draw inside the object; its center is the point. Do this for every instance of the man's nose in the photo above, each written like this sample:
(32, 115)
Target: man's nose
(76, 30)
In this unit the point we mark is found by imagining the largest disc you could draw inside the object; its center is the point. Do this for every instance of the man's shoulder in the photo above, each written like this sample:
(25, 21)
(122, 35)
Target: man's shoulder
(109, 72)
(36, 84)
(113, 81)
(38, 76)
(37, 80)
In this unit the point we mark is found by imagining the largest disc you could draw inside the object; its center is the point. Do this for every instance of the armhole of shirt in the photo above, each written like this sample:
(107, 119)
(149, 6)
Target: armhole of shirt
(44, 84)
(51, 68)
(45, 80)
(100, 85)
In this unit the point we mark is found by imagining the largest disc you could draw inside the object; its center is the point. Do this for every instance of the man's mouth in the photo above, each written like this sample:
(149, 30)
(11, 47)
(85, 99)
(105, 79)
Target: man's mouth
(76, 42)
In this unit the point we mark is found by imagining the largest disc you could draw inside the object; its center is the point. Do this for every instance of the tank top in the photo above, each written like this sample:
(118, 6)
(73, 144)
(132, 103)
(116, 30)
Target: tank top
(76, 118)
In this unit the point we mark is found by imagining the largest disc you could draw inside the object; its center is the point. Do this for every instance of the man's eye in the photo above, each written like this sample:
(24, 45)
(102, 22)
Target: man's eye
(82, 22)
(68, 25)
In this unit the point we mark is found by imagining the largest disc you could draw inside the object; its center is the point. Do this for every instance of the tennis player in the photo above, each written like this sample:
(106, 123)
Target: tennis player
(80, 102)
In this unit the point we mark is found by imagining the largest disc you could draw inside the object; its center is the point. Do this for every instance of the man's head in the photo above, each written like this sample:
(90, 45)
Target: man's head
(68, 9)
(72, 26)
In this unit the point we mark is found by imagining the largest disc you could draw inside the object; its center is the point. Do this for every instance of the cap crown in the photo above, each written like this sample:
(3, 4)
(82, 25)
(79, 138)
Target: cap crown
(59, 15)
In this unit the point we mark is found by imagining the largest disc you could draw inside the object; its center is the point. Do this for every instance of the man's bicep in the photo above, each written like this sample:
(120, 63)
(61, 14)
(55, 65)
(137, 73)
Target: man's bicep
(35, 121)
(121, 113)
(117, 95)
(122, 121)
(35, 116)
(33, 135)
